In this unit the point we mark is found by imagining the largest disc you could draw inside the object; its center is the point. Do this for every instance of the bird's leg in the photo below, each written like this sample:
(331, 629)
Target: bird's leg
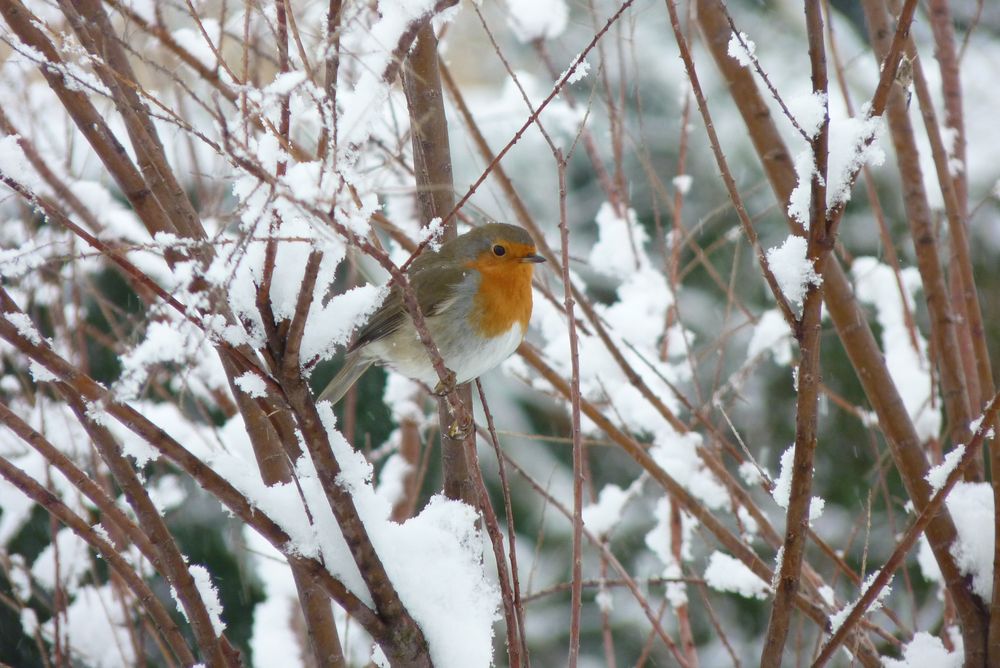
(445, 386)
(461, 426)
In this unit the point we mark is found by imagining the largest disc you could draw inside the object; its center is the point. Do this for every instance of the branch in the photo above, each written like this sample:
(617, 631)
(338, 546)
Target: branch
(169, 559)
(110, 515)
(809, 372)
(91, 391)
(916, 528)
(850, 321)
(435, 196)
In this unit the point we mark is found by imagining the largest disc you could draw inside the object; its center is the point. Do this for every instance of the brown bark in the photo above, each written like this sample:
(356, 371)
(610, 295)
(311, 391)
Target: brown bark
(809, 371)
(435, 199)
(849, 320)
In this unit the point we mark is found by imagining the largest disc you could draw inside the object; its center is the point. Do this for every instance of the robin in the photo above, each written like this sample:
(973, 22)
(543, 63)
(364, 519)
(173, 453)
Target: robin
(475, 294)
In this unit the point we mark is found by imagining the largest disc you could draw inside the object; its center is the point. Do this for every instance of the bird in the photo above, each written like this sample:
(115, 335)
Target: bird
(475, 295)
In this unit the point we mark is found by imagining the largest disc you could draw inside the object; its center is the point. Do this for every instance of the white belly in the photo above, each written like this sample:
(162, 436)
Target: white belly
(469, 356)
(485, 355)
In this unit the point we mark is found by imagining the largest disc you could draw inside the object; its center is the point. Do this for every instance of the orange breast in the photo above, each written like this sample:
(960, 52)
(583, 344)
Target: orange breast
(504, 296)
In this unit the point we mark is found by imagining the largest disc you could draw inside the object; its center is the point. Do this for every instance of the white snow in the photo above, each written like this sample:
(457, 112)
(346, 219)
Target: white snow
(370, 92)
(601, 517)
(580, 71)
(730, 575)
(167, 492)
(742, 49)
(330, 326)
(537, 19)
(751, 474)
(848, 152)
(875, 283)
(73, 557)
(22, 323)
(838, 618)
(97, 628)
(431, 234)
(853, 142)
(971, 506)
(392, 478)
(682, 182)
(677, 454)
(402, 396)
(13, 162)
(171, 340)
(273, 634)
(926, 651)
(793, 271)
(209, 596)
(976, 423)
(809, 111)
(613, 253)
(659, 541)
(285, 82)
(783, 486)
(252, 384)
(604, 600)
(937, 475)
(40, 373)
(771, 336)
(193, 41)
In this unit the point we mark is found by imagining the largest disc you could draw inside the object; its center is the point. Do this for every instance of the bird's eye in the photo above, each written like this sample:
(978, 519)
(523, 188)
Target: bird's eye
(499, 250)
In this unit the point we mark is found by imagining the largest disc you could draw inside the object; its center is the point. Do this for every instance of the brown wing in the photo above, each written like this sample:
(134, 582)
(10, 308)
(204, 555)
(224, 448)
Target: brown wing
(435, 286)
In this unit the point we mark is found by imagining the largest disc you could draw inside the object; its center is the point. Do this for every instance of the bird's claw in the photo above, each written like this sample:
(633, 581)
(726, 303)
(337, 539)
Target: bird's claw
(444, 387)
(459, 429)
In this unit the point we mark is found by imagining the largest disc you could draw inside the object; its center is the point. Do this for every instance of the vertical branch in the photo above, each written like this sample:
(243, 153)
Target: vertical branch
(850, 321)
(961, 278)
(328, 136)
(496, 541)
(409, 450)
(951, 86)
(889, 248)
(809, 372)
(918, 213)
(683, 611)
(963, 287)
(576, 604)
(321, 626)
(275, 331)
(435, 198)
(509, 511)
(970, 330)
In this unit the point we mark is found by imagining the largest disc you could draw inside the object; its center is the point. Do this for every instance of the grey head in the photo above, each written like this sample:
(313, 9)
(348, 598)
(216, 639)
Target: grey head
(470, 245)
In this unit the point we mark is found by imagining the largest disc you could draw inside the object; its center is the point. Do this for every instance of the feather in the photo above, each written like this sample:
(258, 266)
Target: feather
(355, 364)
(435, 286)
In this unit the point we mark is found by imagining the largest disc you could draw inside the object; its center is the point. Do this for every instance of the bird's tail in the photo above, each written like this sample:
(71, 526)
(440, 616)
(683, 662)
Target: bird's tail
(355, 364)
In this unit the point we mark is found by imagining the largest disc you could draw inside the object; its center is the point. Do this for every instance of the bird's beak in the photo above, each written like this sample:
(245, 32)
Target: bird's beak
(534, 258)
